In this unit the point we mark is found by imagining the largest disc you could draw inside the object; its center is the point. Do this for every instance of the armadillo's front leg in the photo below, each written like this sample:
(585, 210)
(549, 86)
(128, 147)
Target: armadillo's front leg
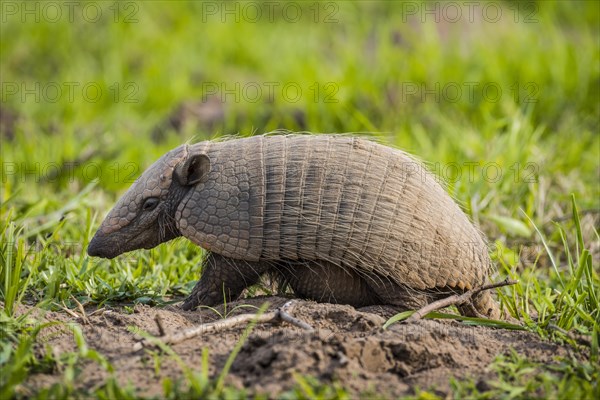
(223, 279)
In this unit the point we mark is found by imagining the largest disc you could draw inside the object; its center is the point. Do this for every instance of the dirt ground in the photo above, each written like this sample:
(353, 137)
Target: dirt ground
(348, 347)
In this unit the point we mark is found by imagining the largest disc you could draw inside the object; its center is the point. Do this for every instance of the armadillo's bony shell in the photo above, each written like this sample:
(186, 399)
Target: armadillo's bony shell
(346, 200)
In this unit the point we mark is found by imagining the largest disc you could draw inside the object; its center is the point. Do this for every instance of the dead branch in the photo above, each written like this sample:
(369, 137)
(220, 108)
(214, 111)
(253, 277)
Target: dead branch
(81, 310)
(98, 312)
(457, 299)
(68, 310)
(72, 313)
(278, 315)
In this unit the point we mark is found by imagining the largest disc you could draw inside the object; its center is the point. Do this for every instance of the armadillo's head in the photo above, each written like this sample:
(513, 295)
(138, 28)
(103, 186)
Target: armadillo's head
(145, 216)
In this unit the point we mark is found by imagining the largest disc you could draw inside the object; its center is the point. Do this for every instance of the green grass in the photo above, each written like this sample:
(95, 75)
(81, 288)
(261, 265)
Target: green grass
(524, 165)
(519, 378)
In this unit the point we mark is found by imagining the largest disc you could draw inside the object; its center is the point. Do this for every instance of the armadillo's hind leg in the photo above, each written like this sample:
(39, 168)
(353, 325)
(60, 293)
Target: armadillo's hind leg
(399, 296)
(326, 283)
(483, 305)
(224, 279)
(406, 298)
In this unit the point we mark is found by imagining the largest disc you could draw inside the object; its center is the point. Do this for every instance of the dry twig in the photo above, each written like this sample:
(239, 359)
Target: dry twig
(278, 315)
(457, 299)
(68, 310)
(84, 317)
(98, 312)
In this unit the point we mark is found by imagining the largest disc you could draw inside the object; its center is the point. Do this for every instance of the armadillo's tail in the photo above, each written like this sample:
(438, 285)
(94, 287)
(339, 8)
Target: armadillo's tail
(483, 304)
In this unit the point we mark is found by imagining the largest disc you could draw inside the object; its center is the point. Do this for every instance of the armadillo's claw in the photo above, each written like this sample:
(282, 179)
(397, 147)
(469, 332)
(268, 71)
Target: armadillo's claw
(190, 303)
(202, 296)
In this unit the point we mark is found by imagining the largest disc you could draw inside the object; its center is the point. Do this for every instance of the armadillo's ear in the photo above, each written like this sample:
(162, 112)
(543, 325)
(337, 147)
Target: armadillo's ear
(193, 169)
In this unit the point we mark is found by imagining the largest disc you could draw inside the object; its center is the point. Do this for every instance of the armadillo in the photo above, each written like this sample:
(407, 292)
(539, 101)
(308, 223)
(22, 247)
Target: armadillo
(338, 218)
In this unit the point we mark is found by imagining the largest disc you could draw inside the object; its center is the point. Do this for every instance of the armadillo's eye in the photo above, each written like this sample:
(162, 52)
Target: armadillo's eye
(150, 203)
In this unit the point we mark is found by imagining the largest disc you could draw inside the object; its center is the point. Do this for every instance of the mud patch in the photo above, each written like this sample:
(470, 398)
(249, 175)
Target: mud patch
(348, 347)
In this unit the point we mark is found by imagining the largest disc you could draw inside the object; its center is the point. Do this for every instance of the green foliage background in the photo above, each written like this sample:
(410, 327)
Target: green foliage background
(503, 103)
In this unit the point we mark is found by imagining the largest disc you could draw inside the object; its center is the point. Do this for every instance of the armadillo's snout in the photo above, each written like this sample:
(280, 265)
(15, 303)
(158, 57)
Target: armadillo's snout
(94, 249)
(99, 247)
